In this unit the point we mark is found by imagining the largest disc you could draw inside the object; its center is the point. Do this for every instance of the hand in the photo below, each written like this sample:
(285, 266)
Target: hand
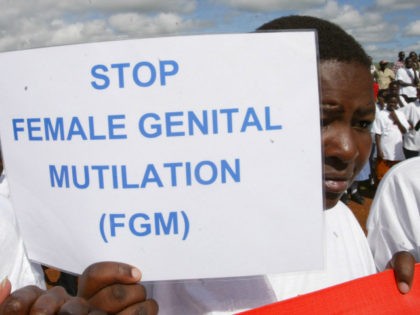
(33, 300)
(403, 265)
(113, 287)
(392, 114)
(106, 287)
(5, 289)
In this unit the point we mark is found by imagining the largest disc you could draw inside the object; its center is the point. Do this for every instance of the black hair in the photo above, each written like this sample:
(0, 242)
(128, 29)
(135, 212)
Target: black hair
(382, 93)
(333, 42)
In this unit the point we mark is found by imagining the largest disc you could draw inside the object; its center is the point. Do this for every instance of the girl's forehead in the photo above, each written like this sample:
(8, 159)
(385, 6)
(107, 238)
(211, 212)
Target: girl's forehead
(345, 76)
(347, 86)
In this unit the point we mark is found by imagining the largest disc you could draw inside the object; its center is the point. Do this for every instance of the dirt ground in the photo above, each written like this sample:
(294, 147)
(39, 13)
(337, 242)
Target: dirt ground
(362, 211)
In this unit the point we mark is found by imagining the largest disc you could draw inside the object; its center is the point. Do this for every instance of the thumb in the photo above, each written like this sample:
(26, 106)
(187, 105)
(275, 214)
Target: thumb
(403, 265)
(5, 289)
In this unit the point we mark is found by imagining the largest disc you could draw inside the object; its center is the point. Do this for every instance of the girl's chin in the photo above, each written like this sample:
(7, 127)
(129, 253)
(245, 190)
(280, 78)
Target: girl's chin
(331, 200)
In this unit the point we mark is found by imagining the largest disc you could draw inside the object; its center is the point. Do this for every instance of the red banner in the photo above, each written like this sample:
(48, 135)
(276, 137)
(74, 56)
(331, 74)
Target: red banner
(375, 294)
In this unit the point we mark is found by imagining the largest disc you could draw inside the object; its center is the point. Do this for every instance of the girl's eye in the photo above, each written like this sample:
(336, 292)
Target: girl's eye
(364, 124)
(325, 122)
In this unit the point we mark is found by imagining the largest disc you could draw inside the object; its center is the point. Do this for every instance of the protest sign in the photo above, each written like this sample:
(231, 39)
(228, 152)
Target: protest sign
(189, 157)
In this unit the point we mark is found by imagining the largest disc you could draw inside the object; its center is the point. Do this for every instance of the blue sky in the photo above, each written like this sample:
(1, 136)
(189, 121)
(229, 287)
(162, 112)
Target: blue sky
(382, 26)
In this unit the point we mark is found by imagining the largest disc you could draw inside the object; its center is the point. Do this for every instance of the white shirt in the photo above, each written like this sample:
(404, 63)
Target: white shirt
(347, 256)
(391, 136)
(412, 137)
(394, 219)
(14, 262)
(407, 76)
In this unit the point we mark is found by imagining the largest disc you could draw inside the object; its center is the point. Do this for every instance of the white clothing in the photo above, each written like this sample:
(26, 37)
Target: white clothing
(4, 187)
(394, 219)
(412, 137)
(391, 136)
(14, 262)
(377, 111)
(407, 75)
(364, 173)
(347, 256)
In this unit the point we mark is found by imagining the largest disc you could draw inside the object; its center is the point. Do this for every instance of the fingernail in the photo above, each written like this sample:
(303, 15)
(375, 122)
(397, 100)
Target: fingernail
(135, 273)
(403, 287)
(3, 282)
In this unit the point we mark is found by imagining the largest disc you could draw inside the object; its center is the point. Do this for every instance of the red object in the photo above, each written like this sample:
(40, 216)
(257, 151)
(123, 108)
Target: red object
(375, 89)
(376, 294)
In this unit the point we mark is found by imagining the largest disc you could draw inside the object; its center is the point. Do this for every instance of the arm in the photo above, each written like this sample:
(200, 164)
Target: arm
(392, 235)
(405, 84)
(397, 121)
(379, 151)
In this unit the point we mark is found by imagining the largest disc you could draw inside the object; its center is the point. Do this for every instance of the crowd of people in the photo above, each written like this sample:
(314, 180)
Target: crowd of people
(397, 121)
(348, 113)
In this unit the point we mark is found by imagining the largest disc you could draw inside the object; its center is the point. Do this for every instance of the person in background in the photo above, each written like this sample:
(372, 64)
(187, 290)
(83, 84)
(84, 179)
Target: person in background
(399, 63)
(393, 223)
(354, 190)
(372, 67)
(374, 77)
(17, 267)
(347, 112)
(389, 127)
(411, 141)
(413, 56)
(380, 105)
(408, 79)
(384, 75)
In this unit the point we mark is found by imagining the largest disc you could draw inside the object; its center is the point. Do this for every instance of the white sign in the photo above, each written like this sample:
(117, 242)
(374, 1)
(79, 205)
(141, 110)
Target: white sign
(189, 157)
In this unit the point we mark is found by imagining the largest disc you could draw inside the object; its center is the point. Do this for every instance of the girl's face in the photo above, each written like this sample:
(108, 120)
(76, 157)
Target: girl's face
(347, 111)
(392, 103)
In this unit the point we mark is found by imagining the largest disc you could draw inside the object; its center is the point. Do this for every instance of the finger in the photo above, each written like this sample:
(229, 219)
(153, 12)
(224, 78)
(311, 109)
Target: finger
(50, 302)
(403, 265)
(100, 275)
(5, 289)
(75, 305)
(148, 307)
(117, 297)
(20, 301)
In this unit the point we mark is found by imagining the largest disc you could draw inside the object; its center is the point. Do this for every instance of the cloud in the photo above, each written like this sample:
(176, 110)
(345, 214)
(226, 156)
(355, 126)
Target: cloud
(78, 6)
(162, 24)
(38, 23)
(390, 5)
(270, 5)
(413, 29)
(367, 27)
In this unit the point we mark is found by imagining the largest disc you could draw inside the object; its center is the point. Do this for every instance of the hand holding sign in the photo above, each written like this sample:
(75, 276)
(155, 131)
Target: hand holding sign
(104, 288)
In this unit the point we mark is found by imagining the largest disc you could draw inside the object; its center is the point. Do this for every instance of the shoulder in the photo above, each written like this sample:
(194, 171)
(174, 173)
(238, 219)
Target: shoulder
(340, 214)
(404, 171)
